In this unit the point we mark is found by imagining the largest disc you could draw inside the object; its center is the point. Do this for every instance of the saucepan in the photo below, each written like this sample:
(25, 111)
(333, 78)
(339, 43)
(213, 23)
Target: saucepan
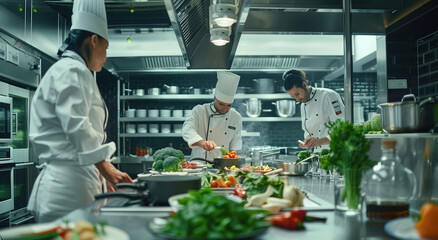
(156, 190)
(221, 163)
(290, 168)
(171, 89)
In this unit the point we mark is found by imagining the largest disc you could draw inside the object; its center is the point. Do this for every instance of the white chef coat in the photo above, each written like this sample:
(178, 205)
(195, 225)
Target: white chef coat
(324, 106)
(205, 123)
(67, 129)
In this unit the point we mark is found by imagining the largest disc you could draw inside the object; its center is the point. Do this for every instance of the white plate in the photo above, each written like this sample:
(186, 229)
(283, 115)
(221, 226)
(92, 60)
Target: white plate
(112, 233)
(402, 228)
(192, 170)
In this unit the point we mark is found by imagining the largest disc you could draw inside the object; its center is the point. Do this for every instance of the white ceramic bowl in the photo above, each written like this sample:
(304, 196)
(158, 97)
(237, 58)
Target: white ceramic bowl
(177, 113)
(165, 113)
(153, 128)
(154, 113)
(130, 113)
(130, 128)
(141, 113)
(177, 127)
(165, 128)
(142, 128)
(187, 112)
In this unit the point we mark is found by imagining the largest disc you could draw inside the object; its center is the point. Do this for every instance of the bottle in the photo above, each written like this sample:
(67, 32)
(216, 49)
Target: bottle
(388, 186)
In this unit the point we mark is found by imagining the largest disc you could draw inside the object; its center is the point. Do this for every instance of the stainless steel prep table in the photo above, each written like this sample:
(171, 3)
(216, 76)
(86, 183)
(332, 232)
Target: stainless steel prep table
(337, 227)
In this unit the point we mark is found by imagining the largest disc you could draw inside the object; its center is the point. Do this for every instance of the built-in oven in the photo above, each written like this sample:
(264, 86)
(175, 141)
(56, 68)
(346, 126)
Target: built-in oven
(24, 175)
(6, 187)
(20, 123)
(5, 119)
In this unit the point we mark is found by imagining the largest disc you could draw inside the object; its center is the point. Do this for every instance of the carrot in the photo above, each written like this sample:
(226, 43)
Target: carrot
(214, 184)
(228, 183)
(221, 182)
(232, 179)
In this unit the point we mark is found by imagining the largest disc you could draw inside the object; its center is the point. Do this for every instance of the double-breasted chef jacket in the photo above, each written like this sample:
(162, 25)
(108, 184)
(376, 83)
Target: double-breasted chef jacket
(324, 106)
(67, 130)
(205, 123)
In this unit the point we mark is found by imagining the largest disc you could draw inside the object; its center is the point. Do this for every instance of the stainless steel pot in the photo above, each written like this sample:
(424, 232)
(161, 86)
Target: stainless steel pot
(253, 107)
(408, 116)
(285, 108)
(154, 91)
(291, 168)
(172, 89)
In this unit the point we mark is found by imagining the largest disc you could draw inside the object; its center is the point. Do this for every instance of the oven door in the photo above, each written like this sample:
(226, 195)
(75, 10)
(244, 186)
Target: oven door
(5, 119)
(6, 187)
(23, 181)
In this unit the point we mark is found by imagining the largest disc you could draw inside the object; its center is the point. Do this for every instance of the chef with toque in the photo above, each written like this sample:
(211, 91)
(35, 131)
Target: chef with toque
(68, 119)
(215, 124)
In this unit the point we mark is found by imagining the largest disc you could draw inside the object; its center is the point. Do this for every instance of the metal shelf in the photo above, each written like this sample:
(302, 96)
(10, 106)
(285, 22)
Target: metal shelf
(273, 96)
(139, 135)
(182, 119)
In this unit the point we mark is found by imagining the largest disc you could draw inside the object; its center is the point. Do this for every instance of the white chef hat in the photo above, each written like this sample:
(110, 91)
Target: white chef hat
(90, 15)
(226, 86)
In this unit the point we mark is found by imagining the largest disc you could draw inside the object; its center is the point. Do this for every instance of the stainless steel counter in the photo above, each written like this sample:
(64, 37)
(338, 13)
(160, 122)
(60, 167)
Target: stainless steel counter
(338, 226)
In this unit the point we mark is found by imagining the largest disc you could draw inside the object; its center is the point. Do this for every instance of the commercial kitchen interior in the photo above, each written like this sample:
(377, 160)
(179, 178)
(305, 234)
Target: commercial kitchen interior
(153, 43)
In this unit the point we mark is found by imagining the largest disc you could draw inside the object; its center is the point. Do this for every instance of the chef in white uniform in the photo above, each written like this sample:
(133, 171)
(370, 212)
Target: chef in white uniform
(215, 124)
(68, 118)
(319, 106)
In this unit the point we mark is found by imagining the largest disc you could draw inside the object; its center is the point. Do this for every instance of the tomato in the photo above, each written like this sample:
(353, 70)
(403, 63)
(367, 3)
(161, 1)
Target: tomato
(293, 220)
(426, 226)
(213, 184)
(239, 191)
(225, 156)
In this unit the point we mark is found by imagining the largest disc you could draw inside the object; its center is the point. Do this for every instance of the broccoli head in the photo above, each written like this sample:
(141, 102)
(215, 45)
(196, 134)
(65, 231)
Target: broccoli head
(171, 164)
(376, 124)
(158, 165)
(163, 153)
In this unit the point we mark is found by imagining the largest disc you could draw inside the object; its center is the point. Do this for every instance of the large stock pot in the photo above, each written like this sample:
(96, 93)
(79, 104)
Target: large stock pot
(408, 115)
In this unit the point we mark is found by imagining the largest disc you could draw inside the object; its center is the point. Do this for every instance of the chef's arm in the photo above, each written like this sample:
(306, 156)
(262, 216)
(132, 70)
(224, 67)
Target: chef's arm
(315, 142)
(73, 105)
(111, 173)
(206, 145)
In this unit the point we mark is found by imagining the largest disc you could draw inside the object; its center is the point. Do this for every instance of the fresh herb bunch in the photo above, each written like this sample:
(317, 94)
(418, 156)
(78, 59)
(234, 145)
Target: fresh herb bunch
(325, 160)
(207, 215)
(302, 155)
(256, 183)
(349, 156)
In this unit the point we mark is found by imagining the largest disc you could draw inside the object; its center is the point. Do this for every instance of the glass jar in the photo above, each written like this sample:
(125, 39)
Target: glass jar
(388, 186)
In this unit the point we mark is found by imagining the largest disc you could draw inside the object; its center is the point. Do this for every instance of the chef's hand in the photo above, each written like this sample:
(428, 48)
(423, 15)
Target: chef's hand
(110, 187)
(112, 174)
(206, 145)
(314, 142)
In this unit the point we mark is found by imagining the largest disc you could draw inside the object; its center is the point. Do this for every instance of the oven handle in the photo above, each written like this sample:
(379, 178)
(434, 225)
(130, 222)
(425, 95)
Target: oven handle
(23, 164)
(21, 221)
(15, 119)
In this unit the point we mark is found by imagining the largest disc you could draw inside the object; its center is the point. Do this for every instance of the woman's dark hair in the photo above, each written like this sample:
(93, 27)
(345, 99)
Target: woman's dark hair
(74, 41)
(294, 78)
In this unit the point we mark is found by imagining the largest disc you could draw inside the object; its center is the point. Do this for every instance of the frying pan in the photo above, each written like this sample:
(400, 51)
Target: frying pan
(221, 163)
(156, 190)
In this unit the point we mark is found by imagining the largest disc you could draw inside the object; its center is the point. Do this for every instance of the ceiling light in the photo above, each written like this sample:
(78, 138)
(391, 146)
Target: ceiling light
(223, 15)
(220, 36)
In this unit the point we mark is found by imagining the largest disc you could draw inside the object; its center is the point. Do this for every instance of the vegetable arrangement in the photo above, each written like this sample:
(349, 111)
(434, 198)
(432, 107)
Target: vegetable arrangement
(349, 157)
(167, 159)
(256, 183)
(373, 126)
(207, 215)
(228, 154)
(426, 225)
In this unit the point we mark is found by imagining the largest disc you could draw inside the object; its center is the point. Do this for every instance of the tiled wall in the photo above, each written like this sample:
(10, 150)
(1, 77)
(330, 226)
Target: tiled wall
(427, 50)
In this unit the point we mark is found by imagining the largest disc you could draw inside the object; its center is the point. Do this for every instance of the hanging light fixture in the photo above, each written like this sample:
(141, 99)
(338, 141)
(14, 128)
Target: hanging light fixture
(223, 12)
(220, 36)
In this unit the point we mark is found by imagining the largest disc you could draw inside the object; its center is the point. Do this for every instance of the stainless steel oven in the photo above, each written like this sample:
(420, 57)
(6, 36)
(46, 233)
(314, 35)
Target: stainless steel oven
(5, 119)
(6, 187)
(24, 175)
(20, 123)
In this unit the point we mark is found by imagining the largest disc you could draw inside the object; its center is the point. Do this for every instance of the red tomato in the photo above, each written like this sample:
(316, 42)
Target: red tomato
(213, 184)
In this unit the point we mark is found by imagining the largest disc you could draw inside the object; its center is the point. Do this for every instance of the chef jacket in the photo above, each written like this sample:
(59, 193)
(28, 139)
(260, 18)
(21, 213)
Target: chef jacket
(205, 123)
(67, 128)
(324, 106)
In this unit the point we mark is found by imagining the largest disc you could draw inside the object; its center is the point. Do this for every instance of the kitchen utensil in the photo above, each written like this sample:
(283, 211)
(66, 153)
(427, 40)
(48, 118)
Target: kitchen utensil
(141, 113)
(154, 113)
(165, 128)
(153, 128)
(274, 171)
(142, 128)
(139, 92)
(253, 107)
(154, 91)
(165, 112)
(306, 159)
(130, 128)
(221, 163)
(130, 113)
(156, 189)
(291, 168)
(408, 116)
(171, 89)
(285, 108)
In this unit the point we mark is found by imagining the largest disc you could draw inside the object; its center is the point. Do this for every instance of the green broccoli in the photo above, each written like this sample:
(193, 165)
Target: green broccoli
(158, 165)
(163, 153)
(367, 127)
(324, 152)
(171, 164)
(376, 124)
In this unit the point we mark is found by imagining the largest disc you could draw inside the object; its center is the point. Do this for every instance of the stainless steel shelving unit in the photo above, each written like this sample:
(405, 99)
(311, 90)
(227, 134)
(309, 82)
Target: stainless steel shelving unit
(182, 119)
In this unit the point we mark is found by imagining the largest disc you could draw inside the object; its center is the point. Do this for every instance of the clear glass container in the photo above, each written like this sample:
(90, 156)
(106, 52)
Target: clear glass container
(388, 186)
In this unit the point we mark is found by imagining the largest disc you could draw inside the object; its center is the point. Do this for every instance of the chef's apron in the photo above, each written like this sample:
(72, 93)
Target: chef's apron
(62, 187)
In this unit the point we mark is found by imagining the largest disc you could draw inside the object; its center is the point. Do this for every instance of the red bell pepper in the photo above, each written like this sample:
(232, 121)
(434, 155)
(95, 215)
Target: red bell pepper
(293, 220)
(239, 191)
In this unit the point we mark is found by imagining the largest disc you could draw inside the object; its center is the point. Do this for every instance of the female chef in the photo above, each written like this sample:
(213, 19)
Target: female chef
(215, 124)
(68, 118)
(319, 106)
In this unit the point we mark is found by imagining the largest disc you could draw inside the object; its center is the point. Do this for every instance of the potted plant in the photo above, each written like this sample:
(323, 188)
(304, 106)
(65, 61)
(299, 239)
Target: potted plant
(349, 157)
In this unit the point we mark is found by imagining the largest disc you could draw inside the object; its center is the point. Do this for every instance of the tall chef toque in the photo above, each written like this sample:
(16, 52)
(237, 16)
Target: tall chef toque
(90, 15)
(226, 86)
